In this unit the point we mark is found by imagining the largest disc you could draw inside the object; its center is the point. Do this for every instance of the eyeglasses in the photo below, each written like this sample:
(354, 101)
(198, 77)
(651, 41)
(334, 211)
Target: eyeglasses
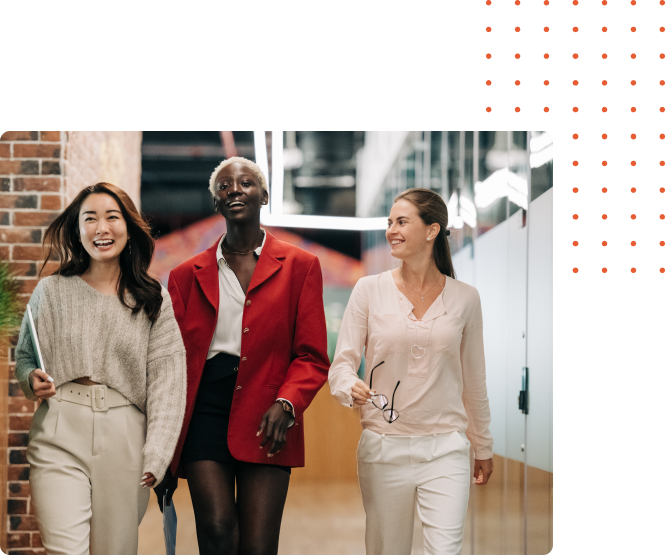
(380, 401)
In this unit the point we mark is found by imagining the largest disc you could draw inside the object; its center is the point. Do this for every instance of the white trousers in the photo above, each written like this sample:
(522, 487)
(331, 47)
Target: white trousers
(399, 473)
(85, 469)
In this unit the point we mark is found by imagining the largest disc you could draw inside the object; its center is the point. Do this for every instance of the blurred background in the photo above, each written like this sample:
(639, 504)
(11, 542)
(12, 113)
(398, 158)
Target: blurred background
(330, 193)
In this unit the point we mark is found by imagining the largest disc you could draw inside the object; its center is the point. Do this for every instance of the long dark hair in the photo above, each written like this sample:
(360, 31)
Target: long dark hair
(62, 241)
(432, 210)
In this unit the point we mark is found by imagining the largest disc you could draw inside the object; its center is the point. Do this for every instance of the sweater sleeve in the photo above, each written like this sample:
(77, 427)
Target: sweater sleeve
(474, 394)
(166, 381)
(26, 361)
(352, 338)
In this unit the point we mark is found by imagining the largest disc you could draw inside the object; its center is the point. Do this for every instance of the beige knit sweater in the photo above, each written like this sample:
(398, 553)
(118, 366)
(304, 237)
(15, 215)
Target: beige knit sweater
(84, 333)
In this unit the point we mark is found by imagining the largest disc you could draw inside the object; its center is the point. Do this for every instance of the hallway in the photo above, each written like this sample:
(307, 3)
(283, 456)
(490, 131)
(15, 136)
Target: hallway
(321, 518)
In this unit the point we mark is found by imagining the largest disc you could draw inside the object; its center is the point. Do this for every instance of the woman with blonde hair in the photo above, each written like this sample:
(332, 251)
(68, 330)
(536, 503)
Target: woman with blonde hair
(423, 403)
(250, 309)
(113, 384)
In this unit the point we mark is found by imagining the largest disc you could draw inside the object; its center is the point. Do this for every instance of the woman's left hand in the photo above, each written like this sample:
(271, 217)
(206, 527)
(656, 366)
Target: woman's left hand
(482, 470)
(275, 422)
(148, 480)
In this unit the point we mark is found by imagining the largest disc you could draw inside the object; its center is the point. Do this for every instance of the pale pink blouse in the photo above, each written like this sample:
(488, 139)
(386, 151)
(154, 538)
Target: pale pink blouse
(443, 391)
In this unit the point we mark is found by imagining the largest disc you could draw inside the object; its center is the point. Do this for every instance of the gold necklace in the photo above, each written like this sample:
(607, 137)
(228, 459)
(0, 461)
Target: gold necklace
(234, 252)
(422, 295)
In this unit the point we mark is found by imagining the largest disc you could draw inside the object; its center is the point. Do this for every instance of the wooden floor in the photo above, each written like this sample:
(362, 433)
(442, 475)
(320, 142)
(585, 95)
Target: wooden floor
(321, 518)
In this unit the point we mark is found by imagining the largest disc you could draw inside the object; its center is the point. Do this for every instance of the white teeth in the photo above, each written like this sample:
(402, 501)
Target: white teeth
(396, 242)
(236, 204)
(103, 243)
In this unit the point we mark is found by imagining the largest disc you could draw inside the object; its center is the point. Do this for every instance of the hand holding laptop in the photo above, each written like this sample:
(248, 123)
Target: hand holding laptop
(42, 384)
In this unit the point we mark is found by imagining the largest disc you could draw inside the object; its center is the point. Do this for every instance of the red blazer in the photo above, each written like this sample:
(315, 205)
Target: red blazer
(283, 353)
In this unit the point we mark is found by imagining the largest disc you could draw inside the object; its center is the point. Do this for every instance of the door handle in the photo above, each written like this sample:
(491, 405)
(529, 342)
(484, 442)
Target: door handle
(523, 399)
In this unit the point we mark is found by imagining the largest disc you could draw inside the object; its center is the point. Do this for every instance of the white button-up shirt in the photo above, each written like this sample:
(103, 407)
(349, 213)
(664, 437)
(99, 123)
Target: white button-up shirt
(228, 331)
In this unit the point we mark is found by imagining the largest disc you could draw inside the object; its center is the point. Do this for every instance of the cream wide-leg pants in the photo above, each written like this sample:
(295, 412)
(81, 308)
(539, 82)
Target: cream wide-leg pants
(399, 473)
(85, 469)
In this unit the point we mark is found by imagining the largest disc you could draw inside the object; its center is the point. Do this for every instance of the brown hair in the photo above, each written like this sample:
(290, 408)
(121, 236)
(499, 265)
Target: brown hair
(62, 240)
(432, 210)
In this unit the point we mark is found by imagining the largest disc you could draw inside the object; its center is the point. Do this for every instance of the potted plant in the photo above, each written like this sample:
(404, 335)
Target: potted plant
(11, 307)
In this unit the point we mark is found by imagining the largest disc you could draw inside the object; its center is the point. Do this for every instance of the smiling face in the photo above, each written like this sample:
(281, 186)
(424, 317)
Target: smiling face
(238, 193)
(407, 234)
(102, 227)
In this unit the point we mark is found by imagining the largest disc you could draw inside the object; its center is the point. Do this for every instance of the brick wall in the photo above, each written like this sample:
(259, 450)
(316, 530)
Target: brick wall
(40, 172)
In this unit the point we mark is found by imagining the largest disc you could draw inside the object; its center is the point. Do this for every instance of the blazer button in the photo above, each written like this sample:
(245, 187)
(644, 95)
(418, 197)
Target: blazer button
(248, 303)
(235, 369)
(245, 330)
(239, 387)
(243, 359)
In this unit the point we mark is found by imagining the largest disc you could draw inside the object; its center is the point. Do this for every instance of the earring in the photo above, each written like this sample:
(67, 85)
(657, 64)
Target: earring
(129, 244)
(428, 238)
(214, 205)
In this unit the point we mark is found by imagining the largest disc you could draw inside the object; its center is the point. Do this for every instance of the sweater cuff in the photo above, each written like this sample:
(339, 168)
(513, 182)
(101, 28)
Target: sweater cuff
(27, 389)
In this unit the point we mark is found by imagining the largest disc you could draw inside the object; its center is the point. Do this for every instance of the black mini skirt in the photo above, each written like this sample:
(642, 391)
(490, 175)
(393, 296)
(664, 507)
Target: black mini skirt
(207, 435)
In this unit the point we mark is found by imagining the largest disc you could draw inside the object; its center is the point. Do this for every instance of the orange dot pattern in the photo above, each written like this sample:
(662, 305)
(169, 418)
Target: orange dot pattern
(536, 33)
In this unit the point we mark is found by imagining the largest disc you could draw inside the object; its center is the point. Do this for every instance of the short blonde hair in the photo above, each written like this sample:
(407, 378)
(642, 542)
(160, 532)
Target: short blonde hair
(251, 165)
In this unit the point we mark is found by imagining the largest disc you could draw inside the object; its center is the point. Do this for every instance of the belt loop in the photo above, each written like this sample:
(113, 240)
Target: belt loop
(58, 392)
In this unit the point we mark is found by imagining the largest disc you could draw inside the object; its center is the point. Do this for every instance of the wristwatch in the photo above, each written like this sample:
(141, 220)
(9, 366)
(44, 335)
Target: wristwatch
(286, 406)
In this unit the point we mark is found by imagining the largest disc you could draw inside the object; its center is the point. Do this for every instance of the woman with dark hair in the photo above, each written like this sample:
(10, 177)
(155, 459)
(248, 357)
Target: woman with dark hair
(250, 309)
(113, 384)
(423, 404)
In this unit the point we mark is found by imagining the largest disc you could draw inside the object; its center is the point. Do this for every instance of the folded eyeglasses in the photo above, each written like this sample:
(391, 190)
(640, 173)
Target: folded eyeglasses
(380, 401)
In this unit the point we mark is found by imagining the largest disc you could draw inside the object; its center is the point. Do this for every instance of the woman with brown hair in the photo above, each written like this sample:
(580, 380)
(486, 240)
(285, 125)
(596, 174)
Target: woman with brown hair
(113, 384)
(423, 404)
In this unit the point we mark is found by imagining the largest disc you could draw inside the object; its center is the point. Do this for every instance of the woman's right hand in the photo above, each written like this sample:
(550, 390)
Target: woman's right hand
(361, 393)
(42, 384)
(168, 485)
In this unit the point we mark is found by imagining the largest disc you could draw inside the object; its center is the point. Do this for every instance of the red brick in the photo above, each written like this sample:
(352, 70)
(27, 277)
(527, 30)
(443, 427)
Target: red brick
(48, 184)
(19, 201)
(51, 202)
(20, 136)
(10, 167)
(27, 253)
(20, 423)
(20, 406)
(36, 537)
(24, 269)
(17, 439)
(18, 540)
(36, 150)
(37, 219)
(20, 167)
(21, 236)
(50, 136)
(17, 506)
(4, 253)
(18, 489)
(25, 522)
(18, 456)
(28, 286)
(4, 150)
(51, 168)
(26, 552)
(16, 472)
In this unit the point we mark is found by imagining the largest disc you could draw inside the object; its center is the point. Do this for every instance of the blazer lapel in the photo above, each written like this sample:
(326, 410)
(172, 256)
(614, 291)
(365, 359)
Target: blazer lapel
(207, 276)
(269, 262)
